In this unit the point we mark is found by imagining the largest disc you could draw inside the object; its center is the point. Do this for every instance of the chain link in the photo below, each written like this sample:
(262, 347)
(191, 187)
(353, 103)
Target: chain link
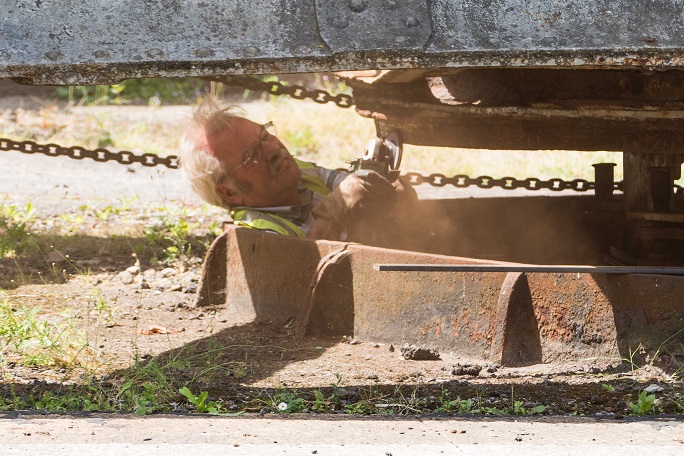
(79, 153)
(276, 88)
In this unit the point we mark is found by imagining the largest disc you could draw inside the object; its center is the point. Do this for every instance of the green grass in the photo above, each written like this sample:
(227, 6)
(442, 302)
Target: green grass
(31, 338)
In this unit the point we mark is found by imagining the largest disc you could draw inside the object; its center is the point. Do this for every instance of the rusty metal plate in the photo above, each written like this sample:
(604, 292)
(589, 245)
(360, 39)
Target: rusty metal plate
(373, 24)
(331, 288)
(100, 41)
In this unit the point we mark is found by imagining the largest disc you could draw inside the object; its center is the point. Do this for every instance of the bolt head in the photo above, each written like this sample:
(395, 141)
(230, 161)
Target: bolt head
(340, 22)
(412, 21)
(358, 5)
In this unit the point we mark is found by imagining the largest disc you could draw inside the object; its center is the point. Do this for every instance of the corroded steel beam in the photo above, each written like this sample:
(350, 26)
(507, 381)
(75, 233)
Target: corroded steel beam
(100, 41)
(331, 288)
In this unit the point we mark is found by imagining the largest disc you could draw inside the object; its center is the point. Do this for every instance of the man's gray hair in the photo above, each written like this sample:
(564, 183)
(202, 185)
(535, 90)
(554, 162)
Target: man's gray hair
(201, 168)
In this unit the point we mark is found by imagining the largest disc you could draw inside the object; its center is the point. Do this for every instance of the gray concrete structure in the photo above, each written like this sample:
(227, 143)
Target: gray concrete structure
(99, 41)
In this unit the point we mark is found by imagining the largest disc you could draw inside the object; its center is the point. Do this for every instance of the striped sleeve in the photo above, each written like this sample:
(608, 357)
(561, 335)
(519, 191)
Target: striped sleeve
(331, 177)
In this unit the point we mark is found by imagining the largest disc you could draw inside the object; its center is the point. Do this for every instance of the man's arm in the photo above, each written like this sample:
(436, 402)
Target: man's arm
(359, 195)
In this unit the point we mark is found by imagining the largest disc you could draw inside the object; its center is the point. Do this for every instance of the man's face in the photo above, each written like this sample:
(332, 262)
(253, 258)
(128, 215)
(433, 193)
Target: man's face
(272, 179)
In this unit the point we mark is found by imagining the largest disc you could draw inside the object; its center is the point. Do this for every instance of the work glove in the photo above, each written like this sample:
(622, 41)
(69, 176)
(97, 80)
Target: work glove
(362, 194)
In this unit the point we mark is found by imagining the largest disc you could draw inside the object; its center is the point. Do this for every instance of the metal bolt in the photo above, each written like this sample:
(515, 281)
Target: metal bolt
(54, 55)
(251, 51)
(101, 54)
(154, 53)
(391, 4)
(340, 22)
(358, 5)
(412, 21)
(204, 52)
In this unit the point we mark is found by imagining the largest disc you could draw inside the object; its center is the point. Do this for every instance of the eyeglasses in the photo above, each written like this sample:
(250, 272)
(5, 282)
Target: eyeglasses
(254, 154)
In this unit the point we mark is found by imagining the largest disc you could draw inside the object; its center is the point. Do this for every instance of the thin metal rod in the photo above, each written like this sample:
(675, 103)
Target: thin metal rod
(528, 268)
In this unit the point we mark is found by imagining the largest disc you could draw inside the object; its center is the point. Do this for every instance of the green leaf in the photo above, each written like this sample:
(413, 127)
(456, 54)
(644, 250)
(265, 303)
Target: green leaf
(126, 386)
(537, 409)
(185, 391)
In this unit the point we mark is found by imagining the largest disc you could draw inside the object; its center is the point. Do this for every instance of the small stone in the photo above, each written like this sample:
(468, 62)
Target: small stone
(391, 348)
(415, 353)
(168, 272)
(163, 284)
(192, 288)
(126, 277)
(466, 369)
(650, 389)
(176, 288)
(355, 342)
(133, 270)
(149, 273)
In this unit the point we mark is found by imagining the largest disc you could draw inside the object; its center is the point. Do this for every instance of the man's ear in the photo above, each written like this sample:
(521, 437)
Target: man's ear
(230, 194)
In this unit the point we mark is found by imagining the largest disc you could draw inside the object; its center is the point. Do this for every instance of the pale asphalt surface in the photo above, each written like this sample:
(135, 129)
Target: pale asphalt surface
(337, 435)
(57, 184)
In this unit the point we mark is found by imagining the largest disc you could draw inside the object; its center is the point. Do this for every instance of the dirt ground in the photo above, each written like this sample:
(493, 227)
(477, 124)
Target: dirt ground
(239, 363)
(127, 313)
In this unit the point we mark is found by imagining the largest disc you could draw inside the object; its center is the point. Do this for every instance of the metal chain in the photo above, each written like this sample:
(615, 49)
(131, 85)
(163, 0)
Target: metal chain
(436, 180)
(79, 153)
(507, 183)
(276, 88)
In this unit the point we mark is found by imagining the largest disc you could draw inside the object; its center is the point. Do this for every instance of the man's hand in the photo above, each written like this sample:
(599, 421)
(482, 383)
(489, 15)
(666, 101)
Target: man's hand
(362, 193)
(324, 229)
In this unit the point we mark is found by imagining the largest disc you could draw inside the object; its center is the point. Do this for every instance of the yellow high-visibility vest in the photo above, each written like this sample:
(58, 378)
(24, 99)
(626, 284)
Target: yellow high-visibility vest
(261, 220)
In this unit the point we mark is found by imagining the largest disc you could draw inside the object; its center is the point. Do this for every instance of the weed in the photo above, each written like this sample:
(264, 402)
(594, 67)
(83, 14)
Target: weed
(646, 403)
(172, 234)
(87, 398)
(608, 387)
(457, 405)
(143, 400)
(34, 340)
(358, 408)
(200, 402)
(101, 307)
(287, 401)
(320, 403)
(14, 235)
(518, 409)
